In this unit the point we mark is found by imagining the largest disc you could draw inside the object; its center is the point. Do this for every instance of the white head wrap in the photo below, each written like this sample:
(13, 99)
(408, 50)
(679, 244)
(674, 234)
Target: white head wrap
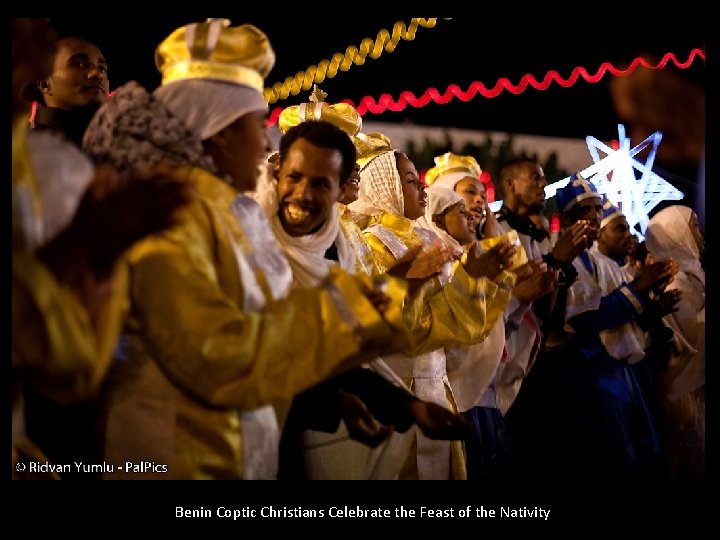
(439, 200)
(380, 188)
(306, 254)
(207, 106)
(450, 180)
(668, 235)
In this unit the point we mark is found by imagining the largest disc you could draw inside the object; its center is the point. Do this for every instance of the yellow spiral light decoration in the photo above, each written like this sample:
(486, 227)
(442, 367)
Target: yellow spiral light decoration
(327, 69)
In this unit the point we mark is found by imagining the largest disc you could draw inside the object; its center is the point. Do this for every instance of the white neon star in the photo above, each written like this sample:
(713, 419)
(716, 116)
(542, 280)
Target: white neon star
(635, 197)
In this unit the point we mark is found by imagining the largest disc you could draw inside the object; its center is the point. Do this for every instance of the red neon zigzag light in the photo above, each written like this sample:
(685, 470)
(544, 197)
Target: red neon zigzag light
(386, 101)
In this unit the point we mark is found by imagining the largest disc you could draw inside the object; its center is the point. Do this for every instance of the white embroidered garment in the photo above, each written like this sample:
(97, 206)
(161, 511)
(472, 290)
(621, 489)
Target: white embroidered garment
(472, 369)
(668, 236)
(62, 173)
(222, 103)
(259, 257)
(624, 342)
(332, 455)
(440, 199)
(353, 251)
(449, 180)
(523, 344)
(380, 188)
(428, 373)
(306, 254)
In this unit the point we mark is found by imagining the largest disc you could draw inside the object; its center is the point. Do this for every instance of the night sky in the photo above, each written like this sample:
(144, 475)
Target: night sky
(460, 51)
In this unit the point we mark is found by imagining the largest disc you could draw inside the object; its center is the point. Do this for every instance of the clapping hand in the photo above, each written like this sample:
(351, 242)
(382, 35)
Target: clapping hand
(571, 242)
(361, 424)
(437, 422)
(490, 263)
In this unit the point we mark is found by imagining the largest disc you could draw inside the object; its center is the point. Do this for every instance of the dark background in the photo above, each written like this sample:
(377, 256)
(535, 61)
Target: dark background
(460, 51)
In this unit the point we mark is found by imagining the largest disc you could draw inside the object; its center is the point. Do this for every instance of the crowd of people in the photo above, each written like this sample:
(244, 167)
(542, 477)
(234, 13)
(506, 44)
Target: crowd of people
(186, 295)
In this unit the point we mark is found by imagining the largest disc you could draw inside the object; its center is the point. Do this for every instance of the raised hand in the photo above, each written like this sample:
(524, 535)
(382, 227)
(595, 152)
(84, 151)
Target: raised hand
(541, 282)
(655, 276)
(490, 263)
(437, 422)
(419, 263)
(529, 268)
(571, 242)
(377, 296)
(491, 227)
(667, 301)
(361, 425)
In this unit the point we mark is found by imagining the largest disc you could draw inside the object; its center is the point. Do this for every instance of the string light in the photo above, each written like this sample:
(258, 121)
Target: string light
(386, 101)
(385, 41)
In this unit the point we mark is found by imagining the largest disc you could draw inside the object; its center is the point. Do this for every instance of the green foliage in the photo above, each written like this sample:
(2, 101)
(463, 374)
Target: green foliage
(489, 155)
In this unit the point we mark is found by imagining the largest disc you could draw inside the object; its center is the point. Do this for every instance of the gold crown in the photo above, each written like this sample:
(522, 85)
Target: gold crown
(216, 50)
(450, 163)
(341, 115)
(370, 145)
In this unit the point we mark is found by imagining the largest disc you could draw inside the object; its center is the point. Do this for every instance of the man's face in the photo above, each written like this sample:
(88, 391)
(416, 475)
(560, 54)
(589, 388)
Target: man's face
(615, 239)
(308, 186)
(414, 196)
(528, 187)
(351, 189)
(473, 193)
(79, 76)
(589, 209)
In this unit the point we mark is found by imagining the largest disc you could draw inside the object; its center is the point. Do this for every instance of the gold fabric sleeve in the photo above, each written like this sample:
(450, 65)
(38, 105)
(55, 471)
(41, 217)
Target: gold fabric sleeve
(185, 316)
(458, 314)
(52, 337)
(53, 341)
(462, 313)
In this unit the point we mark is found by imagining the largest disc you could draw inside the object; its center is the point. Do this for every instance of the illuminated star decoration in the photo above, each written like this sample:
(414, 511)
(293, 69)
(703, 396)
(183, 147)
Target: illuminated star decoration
(635, 197)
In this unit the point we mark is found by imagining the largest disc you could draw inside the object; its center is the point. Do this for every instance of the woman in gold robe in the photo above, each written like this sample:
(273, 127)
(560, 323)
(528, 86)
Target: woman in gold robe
(194, 355)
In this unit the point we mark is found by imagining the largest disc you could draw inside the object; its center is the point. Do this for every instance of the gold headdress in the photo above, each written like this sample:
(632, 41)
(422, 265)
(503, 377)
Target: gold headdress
(452, 163)
(370, 145)
(341, 115)
(216, 50)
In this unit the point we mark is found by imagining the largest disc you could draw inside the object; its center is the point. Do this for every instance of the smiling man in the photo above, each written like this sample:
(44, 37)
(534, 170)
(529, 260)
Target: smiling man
(77, 86)
(306, 200)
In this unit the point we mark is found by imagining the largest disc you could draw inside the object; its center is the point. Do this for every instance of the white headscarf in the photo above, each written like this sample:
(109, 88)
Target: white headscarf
(449, 180)
(380, 188)
(440, 199)
(668, 235)
(206, 106)
(306, 254)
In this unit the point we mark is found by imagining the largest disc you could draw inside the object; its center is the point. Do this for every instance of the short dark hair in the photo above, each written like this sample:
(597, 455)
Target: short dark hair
(60, 34)
(325, 135)
(508, 170)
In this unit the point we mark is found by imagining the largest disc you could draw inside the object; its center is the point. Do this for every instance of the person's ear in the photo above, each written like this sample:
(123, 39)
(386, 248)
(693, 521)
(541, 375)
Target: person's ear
(44, 86)
(275, 168)
(439, 220)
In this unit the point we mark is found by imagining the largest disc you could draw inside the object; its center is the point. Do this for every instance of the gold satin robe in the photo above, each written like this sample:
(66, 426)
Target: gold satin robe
(55, 347)
(192, 360)
(458, 312)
